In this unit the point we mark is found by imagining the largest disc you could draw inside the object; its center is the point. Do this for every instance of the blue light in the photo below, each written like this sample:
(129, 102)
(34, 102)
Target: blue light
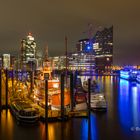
(135, 72)
(85, 129)
(138, 78)
(88, 47)
(124, 76)
(128, 105)
(135, 105)
(123, 104)
(124, 72)
(128, 74)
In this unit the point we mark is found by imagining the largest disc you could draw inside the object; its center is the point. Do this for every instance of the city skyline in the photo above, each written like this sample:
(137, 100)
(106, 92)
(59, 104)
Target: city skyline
(50, 21)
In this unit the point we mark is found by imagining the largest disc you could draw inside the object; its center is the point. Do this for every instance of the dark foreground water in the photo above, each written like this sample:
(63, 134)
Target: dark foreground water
(120, 122)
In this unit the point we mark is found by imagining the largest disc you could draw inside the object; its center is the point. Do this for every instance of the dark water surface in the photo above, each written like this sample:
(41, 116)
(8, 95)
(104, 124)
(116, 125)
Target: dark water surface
(120, 122)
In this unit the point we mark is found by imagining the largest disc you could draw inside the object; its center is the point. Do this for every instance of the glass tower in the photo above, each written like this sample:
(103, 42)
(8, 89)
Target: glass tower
(28, 52)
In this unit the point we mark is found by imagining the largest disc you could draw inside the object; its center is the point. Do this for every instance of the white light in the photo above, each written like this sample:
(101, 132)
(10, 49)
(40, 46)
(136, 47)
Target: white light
(107, 59)
(101, 96)
(30, 37)
(56, 85)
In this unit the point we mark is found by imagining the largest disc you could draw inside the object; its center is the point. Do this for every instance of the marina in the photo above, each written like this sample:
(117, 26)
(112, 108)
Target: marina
(123, 100)
(69, 70)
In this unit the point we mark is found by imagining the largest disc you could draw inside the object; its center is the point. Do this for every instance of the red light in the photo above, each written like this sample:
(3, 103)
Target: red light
(30, 34)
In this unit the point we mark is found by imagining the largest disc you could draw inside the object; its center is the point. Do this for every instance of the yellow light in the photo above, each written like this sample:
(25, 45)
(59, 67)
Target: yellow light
(55, 85)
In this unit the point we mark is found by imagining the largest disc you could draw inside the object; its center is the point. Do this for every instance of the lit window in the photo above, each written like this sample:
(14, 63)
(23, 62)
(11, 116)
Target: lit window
(107, 59)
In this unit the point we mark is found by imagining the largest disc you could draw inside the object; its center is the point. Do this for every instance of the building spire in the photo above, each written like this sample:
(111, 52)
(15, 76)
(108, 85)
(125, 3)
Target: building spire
(46, 53)
(29, 34)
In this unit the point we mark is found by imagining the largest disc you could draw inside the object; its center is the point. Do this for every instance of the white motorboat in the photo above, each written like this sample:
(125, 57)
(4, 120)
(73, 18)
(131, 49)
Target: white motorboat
(98, 102)
(81, 106)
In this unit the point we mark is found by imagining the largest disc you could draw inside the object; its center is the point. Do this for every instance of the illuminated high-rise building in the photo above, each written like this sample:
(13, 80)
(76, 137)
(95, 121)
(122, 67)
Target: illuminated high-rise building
(103, 48)
(28, 50)
(83, 59)
(85, 45)
(95, 53)
(6, 61)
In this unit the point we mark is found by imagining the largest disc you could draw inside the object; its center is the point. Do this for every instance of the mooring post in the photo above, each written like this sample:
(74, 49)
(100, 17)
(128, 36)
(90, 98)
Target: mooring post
(32, 81)
(0, 89)
(89, 93)
(89, 107)
(12, 81)
(62, 96)
(46, 101)
(72, 91)
(6, 72)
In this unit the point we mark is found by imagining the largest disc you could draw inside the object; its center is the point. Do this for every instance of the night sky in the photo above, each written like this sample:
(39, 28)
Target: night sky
(50, 20)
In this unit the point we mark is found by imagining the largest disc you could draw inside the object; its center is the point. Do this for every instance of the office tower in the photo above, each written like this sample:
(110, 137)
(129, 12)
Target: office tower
(103, 48)
(28, 51)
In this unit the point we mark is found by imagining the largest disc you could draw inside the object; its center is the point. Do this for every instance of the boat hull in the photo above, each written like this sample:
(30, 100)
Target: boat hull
(98, 102)
(29, 118)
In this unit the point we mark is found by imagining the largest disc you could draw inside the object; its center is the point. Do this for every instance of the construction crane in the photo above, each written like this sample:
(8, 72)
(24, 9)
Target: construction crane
(89, 31)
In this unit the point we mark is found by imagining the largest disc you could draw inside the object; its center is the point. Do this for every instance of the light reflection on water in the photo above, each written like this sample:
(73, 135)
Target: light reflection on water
(84, 129)
(135, 106)
(123, 99)
(6, 124)
(89, 131)
(123, 103)
(129, 104)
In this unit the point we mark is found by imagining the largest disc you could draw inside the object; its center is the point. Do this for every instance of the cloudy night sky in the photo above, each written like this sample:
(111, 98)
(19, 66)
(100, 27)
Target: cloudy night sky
(50, 20)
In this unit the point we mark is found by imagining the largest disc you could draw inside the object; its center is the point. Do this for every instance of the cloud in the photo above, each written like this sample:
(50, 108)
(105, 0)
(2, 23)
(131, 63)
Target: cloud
(51, 20)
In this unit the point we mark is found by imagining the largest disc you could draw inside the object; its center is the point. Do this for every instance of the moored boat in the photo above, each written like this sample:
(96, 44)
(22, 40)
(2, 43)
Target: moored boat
(56, 100)
(98, 102)
(128, 74)
(24, 112)
(94, 86)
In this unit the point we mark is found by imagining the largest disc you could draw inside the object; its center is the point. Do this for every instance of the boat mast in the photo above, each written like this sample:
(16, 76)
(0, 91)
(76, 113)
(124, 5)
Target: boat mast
(66, 72)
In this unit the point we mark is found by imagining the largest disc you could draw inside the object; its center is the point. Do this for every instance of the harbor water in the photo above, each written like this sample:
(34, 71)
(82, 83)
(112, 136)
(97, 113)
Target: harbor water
(120, 122)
